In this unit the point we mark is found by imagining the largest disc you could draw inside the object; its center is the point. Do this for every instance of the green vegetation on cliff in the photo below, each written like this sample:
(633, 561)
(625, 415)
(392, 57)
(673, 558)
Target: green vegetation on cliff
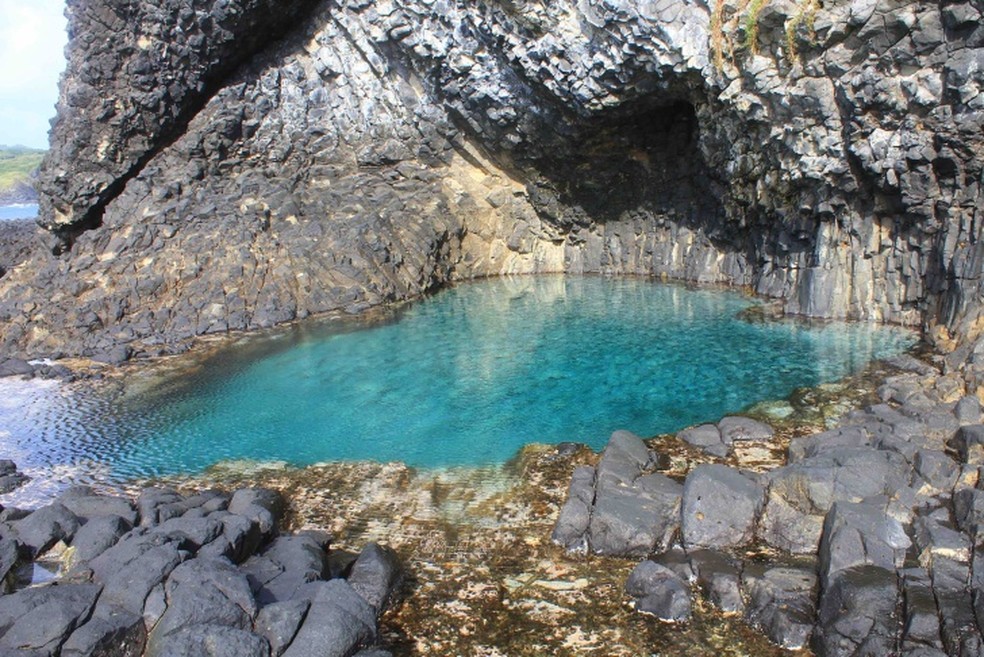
(17, 163)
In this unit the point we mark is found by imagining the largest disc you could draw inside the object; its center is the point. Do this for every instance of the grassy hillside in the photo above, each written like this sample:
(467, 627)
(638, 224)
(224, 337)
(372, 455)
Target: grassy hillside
(16, 165)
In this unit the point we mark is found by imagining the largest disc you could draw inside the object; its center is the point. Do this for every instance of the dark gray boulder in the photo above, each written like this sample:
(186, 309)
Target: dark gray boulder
(920, 615)
(110, 632)
(719, 579)
(572, 523)
(635, 518)
(720, 507)
(15, 367)
(87, 505)
(338, 623)
(262, 506)
(8, 559)
(10, 477)
(802, 447)
(43, 618)
(968, 410)
(375, 575)
(39, 531)
(97, 536)
(634, 513)
(190, 533)
(706, 437)
(800, 494)
(950, 575)
(936, 469)
(240, 538)
(130, 569)
(781, 602)
(858, 614)
(736, 428)
(858, 534)
(660, 592)
(284, 566)
(210, 641)
(210, 591)
(278, 622)
(204, 591)
(152, 501)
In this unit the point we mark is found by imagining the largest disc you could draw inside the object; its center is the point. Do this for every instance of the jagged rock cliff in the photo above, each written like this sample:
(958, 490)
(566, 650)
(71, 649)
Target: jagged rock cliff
(233, 164)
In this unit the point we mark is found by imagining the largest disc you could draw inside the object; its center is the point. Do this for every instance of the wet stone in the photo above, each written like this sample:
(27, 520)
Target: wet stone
(572, 524)
(660, 592)
(375, 574)
(781, 602)
(857, 613)
(719, 579)
(921, 621)
(858, 534)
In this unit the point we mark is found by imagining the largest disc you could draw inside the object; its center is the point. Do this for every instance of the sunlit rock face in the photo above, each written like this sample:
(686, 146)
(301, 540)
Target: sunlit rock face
(236, 164)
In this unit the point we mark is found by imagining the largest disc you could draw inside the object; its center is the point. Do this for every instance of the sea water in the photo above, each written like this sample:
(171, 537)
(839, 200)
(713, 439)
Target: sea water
(465, 377)
(18, 211)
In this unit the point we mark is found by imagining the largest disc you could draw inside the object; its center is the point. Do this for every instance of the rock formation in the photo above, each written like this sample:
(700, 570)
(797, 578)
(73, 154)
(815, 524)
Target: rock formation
(873, 528)
(173, 574)
(236, 164)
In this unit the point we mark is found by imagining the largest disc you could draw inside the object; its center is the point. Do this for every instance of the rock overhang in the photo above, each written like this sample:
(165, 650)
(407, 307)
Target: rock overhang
(525, 137)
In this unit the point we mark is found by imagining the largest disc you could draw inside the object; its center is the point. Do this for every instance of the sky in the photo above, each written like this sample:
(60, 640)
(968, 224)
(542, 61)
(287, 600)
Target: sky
(32, 43)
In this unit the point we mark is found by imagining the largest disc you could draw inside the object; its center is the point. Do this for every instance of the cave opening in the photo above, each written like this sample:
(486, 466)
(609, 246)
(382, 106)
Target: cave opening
(639, 162)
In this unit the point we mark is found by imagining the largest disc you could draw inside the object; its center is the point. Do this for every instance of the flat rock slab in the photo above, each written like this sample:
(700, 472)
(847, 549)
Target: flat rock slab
(720, 507)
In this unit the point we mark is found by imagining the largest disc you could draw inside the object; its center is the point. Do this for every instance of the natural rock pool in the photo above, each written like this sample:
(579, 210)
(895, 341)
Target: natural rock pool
(466, 377)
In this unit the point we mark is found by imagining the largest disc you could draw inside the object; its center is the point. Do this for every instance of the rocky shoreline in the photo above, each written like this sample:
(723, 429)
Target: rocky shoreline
(871, 527)
(168, 574)
(483, 575)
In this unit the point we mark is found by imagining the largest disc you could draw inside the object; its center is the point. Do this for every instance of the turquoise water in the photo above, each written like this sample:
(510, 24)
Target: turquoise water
(465, 377)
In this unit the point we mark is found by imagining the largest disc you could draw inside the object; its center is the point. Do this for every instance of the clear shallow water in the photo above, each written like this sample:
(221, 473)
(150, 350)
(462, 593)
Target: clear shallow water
(21, 211)
(465, 377)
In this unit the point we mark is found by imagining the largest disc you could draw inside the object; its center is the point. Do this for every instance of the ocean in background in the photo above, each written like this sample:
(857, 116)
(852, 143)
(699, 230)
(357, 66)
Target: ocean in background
(19, 211)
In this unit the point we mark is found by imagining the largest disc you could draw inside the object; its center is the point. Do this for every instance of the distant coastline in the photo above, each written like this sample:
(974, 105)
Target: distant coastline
(18, 172)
